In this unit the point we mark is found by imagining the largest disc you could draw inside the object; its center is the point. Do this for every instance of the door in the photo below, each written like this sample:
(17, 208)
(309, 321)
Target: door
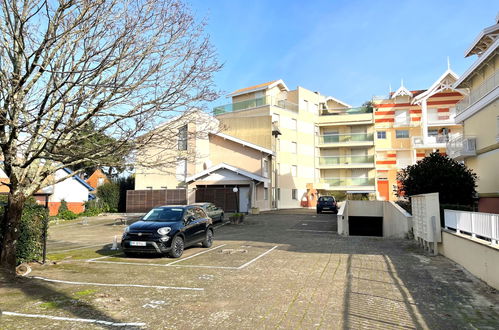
(383, 190)
(244, 199)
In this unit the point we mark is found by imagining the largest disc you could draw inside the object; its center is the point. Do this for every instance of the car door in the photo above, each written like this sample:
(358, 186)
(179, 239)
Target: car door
(199, 224)
(190, 226)
(212, 212)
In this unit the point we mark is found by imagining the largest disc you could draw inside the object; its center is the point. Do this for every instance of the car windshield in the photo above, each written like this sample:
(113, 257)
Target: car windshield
(326, 199)
(164, 214)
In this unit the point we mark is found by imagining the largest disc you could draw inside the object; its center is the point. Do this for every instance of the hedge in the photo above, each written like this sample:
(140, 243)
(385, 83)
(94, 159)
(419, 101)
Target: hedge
(30, 243)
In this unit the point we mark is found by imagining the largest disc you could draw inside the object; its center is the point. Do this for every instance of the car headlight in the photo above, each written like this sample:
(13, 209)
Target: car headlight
(127, 229)
(164, 230)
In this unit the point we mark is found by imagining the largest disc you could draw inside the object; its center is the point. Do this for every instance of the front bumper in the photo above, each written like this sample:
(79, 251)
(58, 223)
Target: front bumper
(151, 245)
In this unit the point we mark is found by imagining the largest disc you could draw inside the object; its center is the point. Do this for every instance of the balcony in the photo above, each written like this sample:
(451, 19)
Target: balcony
(461, 147)
(366, 161)
(478, 93)
(346, 183)
(347, 111)
(343, 140)
(254, 103)
(431, 142)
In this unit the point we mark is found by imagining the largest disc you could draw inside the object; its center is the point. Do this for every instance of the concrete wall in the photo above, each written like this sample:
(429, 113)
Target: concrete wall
(396, 221)
(478, 258)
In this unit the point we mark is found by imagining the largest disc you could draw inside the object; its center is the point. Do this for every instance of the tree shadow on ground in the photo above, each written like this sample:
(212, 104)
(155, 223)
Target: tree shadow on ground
(44, 292)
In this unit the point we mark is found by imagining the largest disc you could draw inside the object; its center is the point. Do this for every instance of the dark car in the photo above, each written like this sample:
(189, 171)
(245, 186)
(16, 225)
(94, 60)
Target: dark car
(214, 212)
(168, 230)
(327, 203)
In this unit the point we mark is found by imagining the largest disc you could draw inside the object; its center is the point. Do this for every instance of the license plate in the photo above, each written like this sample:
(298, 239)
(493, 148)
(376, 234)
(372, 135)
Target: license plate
(133, 243)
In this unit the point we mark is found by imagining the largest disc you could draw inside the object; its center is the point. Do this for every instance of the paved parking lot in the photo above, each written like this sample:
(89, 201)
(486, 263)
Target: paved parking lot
(286, 269)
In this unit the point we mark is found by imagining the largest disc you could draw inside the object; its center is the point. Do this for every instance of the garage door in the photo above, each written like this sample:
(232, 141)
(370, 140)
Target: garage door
(221, 196)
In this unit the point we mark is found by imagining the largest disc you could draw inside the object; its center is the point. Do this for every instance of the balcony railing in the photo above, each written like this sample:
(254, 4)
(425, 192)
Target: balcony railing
(346, 138)
(430, 142)
(461, 147)
(348, 181)
(347, 111)
(478, 225)
(254, 103)
(346, 160)
(476, 94)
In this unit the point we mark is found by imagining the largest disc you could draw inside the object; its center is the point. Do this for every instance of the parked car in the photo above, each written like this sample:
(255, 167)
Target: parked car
(168, 230)
(214, 212)
(327, 203)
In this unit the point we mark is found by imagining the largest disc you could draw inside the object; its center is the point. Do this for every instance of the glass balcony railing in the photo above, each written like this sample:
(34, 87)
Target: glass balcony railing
(476, 94)
(348, 181)
(346, 138)
(346, 160)
(346, 111)
(254, 103)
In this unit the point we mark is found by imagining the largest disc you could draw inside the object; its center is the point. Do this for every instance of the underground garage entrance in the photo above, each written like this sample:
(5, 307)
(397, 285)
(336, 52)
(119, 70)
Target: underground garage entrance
(365, 226)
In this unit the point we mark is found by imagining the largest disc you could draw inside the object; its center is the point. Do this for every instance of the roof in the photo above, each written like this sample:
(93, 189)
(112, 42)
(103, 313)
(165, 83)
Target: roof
(244, 143)
(445, 81)
(260, 87)
(402, 91)
(483, 41)
(227, 167)
(338, 101)
(486, 54)
(77, 178)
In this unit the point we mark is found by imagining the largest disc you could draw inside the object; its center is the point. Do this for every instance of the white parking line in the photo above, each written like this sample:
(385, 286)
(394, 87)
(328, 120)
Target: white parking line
(60, 318)
(118, 285)
(195, 255)
(255, 259)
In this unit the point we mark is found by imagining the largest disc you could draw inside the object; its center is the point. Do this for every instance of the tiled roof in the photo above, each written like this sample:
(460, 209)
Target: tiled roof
(260, 86)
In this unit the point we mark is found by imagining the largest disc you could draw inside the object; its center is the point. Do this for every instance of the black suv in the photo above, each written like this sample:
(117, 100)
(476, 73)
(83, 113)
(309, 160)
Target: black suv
(327, 203)
(168, 230)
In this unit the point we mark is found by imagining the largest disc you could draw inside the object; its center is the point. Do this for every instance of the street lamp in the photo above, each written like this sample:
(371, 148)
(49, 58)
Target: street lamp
(235, 190)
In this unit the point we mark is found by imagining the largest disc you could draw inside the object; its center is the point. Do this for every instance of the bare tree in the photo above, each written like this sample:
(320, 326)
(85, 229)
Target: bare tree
(122, 66)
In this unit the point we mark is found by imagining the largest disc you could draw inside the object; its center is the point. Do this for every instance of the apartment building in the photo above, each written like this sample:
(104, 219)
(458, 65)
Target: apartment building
(478, 146)
(320, 143)
(210, 165)
(408, 125)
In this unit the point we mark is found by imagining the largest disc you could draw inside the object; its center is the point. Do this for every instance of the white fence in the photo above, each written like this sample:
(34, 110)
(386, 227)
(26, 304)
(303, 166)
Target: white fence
(483, 225)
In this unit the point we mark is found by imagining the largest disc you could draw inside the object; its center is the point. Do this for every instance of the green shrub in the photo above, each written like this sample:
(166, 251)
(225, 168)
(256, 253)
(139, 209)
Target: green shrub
(109, 194)
(94, 207)
(30, 243)
(125, 184)
(67, 215)
(63, 207)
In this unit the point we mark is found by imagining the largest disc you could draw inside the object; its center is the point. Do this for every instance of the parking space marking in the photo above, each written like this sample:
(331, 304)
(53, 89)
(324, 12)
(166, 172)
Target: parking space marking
(60, 318)
(258, 257)
(195, 255)
(174, 263)
(118, 285)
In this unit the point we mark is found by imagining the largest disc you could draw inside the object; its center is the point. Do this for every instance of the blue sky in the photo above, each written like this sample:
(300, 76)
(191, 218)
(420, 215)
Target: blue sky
(350, 50)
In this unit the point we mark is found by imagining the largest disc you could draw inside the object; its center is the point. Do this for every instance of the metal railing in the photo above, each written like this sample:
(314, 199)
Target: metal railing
(346, 138)
(477, 224)
(346, 160)
(476, 94)
(420, 142)
(254, 103)
(346, 111)
(348, 181)
(461, 146)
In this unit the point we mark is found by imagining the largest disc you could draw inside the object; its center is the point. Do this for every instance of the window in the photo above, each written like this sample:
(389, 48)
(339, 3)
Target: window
(294, 147)
(278, 194)
(265, 193)
(402, 134)
(164, 187)
(294, 193)
(382, 135)
(149, 188)
(402, 118)
(181, 170)
(182, 138)
(265, 167)
(276, 118)
(293, 123)
(305, 105)
(294, 170)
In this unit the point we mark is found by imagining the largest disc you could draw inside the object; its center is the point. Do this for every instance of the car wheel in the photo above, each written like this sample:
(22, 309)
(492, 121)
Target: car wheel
(177, 247)
(208, 240)
(319, 211)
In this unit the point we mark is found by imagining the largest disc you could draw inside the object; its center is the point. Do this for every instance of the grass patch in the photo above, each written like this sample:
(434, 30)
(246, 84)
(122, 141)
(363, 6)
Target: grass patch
(85, 293)
(80, 254)
(51, 304)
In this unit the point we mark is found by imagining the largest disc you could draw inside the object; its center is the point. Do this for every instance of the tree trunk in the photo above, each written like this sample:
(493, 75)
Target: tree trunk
(10, 231)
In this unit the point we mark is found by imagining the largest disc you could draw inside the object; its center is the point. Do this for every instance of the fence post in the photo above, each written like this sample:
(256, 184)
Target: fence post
(472, 222)
(494, 230)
